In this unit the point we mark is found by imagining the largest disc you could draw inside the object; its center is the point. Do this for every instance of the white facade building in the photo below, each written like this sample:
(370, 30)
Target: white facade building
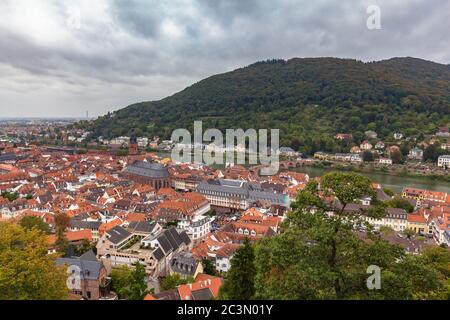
(385, 161)
(444, 161)
(197, 228)
(396, 219)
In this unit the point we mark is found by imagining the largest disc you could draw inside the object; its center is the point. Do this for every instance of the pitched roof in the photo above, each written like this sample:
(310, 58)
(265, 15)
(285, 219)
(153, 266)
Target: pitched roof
(165, 295)
(416, 218)
(110, 225)
(202, 282)
(170, 240)
(159, 254)
(79, 235)
(227, 250)
(202, 294)
(118, 234)
(89, 269)
(148, 169)
(88, 256)
(142, 226)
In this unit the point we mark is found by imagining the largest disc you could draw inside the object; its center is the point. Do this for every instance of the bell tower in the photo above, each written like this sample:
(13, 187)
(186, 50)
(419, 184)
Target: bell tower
(133, 148)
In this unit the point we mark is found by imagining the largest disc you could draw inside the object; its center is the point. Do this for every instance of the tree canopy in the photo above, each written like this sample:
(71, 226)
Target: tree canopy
(323, 252)
(398, 202)
(174, 280)
(129, 283)
(27, 272)
(239, 282)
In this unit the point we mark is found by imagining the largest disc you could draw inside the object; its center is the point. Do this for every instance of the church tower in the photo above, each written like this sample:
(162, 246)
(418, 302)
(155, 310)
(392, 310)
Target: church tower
(133, 148)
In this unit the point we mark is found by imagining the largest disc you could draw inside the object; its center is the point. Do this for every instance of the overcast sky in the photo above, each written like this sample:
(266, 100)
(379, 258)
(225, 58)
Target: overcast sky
(66, 57)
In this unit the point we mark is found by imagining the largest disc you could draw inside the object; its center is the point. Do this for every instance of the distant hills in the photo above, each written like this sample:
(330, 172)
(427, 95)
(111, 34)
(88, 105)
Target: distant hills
(309, 100)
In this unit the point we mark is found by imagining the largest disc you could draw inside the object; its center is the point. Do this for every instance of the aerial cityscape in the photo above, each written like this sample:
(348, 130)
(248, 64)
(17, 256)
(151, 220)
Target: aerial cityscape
(313, 176)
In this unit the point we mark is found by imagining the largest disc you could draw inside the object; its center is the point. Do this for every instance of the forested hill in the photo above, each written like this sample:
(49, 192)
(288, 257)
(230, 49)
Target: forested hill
(309, 99)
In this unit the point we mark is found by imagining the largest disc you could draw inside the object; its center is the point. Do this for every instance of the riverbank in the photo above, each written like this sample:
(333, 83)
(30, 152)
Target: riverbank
(396, 182)
(417, 171)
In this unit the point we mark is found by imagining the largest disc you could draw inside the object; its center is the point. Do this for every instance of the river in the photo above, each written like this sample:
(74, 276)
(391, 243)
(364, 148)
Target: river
(395, 183)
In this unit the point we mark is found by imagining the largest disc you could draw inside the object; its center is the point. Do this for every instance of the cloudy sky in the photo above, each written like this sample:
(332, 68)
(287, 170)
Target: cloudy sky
(66, 57)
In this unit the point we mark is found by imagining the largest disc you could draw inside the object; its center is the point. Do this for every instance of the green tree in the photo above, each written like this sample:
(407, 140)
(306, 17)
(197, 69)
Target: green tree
(129, 283)
(324, 248)
(61, 243)
(367, 156)
(11, 196)
(208, 267)
(322, 254)
(84, 247)
(416, 277)
(30, 222)
(27, 271)
(174, 280)
(119, 280)
(62, 222)
(137, 287)
(389, 192)
(240, 279)
(431, 153)
(409, 233)
(398, 202)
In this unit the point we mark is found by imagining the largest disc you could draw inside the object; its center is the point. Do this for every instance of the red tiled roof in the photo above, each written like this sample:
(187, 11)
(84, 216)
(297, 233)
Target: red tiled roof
(108, 226)
(416, 218)
(201, 282)
(79, 235)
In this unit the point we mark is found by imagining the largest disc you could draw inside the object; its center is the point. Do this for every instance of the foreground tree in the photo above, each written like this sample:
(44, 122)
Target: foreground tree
(240, 279)
(416, 277)
(27, 272)
(137, 288)
(323, 255)
(119, 277)
(129, 283)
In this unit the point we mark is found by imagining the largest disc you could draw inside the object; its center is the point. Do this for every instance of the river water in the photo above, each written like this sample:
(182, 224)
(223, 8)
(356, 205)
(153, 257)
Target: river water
(395, 183)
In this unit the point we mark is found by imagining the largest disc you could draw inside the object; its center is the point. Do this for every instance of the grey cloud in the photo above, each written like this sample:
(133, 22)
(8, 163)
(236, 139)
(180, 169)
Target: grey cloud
(134, 42)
